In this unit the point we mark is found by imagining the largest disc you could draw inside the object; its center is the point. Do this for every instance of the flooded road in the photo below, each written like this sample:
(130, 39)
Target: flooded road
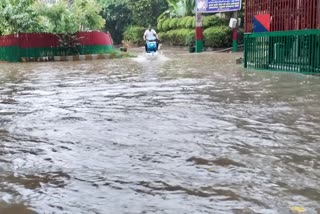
(183, 133)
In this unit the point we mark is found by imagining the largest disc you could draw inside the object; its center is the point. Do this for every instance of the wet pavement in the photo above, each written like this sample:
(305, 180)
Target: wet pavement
(177, 133)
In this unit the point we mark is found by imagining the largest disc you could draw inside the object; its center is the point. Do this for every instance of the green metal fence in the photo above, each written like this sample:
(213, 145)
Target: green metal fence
(297, 51)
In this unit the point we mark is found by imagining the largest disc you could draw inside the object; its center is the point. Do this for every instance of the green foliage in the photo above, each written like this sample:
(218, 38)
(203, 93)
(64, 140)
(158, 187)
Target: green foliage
(190, 39)
(162, 36)
(179, 8)
(35, 16)
(88, 14)
(140, 10)
(177, 36)
(173, 7)
(18, 16)
(69, 44)
(190, 23)
(58, 19)
(182, 22)
(173, 23)
(120, 14)
(159, 25)
(145, 12)
(158, 7)
(216, 34)
(134, 34)
(218, 37)
(189, 6)
(165, 25)
(213, 20)
(240, 36)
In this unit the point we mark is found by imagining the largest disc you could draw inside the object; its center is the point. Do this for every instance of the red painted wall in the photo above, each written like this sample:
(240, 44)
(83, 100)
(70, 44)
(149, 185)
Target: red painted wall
(285, 14)
(9, 40)
(95, 38)
(37, 40)
(46, 40)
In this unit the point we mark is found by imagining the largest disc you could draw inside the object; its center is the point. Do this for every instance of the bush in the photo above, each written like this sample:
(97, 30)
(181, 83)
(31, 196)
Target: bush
(182, 22)
(218, 37)
(165, 25)
(214, 21)
(240, 36)
(177, 36)
(191, 22)
(217, 33)
(190, 39)
(181, 36)
(159, 25)
(163, 37)
(134, 34)
(173, 23)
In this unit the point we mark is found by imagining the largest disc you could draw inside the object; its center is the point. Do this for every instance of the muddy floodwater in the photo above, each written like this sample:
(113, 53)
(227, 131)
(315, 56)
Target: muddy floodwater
(178, 133)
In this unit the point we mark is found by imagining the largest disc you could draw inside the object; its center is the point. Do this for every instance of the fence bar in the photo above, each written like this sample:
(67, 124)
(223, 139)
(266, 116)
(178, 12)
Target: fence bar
(297, 51)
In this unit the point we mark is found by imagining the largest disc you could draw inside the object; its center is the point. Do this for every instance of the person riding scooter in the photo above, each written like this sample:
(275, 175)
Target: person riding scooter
(149, 35)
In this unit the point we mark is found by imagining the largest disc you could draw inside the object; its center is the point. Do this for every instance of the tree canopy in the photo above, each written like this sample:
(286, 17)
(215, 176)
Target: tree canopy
(61, 17)
(18, 16)
(121, 14)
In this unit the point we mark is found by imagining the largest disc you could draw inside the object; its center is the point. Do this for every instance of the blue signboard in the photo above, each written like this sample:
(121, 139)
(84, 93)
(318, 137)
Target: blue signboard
(217, 6)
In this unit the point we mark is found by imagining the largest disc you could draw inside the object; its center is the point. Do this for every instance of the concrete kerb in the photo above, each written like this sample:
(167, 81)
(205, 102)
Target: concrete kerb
(72, 58)
(86, 57)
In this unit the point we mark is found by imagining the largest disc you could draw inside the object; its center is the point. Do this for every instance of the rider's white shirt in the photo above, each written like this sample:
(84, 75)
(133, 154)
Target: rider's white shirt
(150, 35)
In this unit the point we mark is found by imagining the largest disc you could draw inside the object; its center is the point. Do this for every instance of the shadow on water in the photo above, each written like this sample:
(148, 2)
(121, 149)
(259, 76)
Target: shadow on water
(177, 133)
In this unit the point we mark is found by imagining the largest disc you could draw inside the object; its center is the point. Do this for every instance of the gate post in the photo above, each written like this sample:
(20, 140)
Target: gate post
(235, 34)
(199, 33)
(246, 37)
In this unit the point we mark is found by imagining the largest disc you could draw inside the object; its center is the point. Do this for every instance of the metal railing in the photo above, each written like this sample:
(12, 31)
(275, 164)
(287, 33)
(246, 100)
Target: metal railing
(297, 51)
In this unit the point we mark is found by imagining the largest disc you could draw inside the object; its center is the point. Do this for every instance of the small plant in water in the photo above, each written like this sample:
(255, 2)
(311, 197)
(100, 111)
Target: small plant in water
(69, 44)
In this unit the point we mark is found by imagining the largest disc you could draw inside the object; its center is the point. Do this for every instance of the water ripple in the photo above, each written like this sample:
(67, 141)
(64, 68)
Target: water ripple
(180, 134)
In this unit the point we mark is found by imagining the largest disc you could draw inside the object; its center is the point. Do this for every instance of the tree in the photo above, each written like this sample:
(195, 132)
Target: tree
(146, 12)
(64, 18)
(118, 16)
(158, 7)
(18, 16)
(179, 8)
(35, 16)
(58, 18)
(88, 14)
(141, 12)
(172, 10)
(189, 6)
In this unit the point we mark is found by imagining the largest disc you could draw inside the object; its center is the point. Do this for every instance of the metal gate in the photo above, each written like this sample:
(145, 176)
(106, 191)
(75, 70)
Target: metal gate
(297, 51)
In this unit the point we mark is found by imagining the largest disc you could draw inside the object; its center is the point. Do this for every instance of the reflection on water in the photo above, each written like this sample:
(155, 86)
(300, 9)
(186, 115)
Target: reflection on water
(179, 133)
